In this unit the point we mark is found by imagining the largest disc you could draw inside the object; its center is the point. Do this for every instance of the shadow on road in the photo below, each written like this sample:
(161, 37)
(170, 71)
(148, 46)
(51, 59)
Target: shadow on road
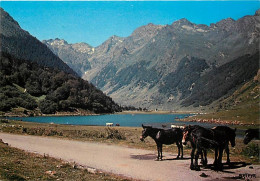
(227, 167)
(144, 157)
(154, 156)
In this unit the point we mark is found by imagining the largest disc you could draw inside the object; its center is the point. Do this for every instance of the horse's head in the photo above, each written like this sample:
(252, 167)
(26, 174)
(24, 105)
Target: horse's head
(232, 137)
(186, 134)
(145, 132)
(248, 136)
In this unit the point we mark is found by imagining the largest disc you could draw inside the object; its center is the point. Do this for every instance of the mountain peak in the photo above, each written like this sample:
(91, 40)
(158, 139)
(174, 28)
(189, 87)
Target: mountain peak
(148, 30)
(182, 22)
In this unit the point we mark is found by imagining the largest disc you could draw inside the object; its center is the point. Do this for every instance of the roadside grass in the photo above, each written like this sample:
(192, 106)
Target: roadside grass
(19, 165)
(124, 136)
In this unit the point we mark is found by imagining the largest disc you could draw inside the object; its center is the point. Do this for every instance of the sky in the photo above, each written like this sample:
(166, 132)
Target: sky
(94, 22)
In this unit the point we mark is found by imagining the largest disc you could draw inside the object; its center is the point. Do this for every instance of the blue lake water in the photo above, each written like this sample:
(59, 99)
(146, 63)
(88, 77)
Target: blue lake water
(126, 120)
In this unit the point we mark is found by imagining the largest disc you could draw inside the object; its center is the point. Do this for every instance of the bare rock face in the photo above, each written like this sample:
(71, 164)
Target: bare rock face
(164, 67)
(75, 55)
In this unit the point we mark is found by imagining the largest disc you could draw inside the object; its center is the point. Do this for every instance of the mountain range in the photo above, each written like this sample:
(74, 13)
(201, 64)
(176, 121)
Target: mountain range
(177, 66)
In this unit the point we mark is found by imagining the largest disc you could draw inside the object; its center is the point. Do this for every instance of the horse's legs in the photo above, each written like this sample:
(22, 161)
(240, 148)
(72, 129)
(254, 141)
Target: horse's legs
(178, 145)
(198, 153)
(227, 151)
(158, 150)
(202, 160)
(181, 149)
(192, 156)
(205, 162)
(216, 158)
(161, 150)
(220, 158)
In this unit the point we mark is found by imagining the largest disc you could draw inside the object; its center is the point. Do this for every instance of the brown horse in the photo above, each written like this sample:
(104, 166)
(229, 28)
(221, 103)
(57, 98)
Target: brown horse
(163, 136)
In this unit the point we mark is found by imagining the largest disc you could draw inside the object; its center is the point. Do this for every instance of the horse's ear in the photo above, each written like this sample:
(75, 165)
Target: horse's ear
(235, 129)
(142, 125)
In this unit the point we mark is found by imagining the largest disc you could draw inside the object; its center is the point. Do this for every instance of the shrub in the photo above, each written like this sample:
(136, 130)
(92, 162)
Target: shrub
(114, 134)
(48, 107)
(251, 150)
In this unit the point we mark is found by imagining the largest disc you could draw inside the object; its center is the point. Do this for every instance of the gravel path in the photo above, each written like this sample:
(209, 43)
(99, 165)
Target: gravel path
(133, 163)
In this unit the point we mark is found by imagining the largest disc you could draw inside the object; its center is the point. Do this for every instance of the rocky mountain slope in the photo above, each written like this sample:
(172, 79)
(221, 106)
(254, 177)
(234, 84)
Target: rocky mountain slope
(174, 66)
(20, 44)
(75, 55)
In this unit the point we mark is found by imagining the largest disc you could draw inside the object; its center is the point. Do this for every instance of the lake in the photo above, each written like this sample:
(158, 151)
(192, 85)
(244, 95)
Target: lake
(125, 120)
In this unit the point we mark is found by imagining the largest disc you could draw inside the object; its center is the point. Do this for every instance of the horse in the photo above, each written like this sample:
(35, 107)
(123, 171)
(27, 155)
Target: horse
(202, 139)
(187, 137)
(162, 136)
(251, 134)
(231, 135)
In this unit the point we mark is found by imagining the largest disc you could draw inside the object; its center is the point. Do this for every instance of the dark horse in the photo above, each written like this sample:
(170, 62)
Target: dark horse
(251, 134)
(187, 137)
(162, 136)
(203, 139)
(231, 135)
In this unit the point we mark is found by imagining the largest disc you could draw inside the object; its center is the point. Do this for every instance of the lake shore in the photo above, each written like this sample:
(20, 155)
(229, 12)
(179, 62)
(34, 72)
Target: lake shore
(155, 112)
(218, 121)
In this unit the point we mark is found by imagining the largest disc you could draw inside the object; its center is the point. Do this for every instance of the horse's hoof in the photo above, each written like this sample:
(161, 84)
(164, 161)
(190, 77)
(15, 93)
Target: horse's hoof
(218, 167)
(192, 167)
(177, 157)
(204, 163)
(228, 162)
(197, 168)
(157, 159)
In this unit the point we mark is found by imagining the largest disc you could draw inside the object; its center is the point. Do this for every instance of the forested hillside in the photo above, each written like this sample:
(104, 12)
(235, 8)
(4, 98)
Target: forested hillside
(30, 86)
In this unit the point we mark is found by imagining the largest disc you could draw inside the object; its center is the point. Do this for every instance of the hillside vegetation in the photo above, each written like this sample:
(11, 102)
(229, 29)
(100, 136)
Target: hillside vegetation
(30, 86)
(242, 105)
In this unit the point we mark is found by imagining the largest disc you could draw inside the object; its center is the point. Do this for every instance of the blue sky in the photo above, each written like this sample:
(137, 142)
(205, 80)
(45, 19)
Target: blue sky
(94, 22)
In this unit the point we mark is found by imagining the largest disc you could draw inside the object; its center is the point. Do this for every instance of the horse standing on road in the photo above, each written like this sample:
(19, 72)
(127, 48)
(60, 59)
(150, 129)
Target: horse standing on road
(163, 136)
(187, 137)
(231, 135)
(203, 139)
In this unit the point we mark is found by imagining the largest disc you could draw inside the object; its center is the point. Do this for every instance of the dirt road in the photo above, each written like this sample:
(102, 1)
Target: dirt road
(133, 163)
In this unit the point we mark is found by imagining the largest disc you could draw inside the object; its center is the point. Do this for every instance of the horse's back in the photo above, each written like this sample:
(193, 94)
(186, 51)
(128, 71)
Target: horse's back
(169, 136)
